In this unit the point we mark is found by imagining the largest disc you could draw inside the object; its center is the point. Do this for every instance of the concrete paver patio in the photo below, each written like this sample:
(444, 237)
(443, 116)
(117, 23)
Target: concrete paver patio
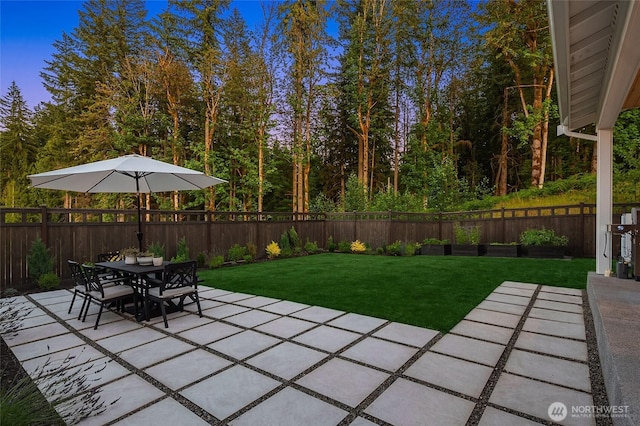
(256, 360)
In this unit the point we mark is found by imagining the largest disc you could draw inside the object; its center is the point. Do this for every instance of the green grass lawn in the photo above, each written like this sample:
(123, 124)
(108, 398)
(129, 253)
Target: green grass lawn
(427, 291)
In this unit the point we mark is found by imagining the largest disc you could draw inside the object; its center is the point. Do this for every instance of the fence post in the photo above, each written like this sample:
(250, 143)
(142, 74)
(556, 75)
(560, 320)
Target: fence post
(355, 226)
(259, 243)
(582, 229)
(389, 230)
(504, 225)
(44, 230)
(208, 218)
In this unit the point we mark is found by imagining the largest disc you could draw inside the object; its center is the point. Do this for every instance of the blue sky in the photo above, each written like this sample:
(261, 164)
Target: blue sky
(28, 29)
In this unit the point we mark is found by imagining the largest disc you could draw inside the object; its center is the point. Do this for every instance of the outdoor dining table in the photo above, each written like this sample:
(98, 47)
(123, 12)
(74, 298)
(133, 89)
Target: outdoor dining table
(140, 272)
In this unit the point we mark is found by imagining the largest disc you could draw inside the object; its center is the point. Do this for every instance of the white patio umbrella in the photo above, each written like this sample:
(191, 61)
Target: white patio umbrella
(127, 174)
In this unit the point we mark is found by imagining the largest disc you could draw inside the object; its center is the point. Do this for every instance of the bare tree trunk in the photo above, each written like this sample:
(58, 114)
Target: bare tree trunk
(501, 177)
(545, 132)
(536, 141)
(260, 167)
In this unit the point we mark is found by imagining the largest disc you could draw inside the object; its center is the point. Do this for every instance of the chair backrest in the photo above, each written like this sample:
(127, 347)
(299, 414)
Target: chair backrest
(179, 274)
(112, 256)
(77, 274)
(93, 279)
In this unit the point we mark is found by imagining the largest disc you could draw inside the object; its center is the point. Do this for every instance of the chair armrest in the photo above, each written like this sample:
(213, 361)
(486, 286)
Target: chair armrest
(152, 281)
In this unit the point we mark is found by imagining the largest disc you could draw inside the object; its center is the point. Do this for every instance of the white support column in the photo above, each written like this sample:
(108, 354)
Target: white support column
(604, 200)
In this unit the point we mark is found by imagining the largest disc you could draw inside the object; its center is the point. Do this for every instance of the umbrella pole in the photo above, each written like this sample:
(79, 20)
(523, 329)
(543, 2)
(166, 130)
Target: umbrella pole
(139, 233)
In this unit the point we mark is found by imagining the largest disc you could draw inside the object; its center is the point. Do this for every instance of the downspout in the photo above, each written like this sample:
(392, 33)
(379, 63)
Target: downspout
(564, 130)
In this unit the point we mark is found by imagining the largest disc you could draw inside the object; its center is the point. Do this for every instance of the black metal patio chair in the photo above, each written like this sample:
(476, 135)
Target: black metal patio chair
(105, 292)
(179, 281)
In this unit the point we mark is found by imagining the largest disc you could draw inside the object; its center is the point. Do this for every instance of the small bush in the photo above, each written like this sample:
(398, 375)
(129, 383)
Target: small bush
(251, 249)
(311, 247)
(284, 242)
(247, 258)
(409, 249)
(358, 247)
(273, 250)
(10, 292)
(157, 249)
(434, 242)
(395, 249)
(459, 234)
(201, 259)
(182, 251)
(331, 245)
(235, 253)
(49, 281)
(344, 246)
(542, 237)
(39, 260)
(294, 240)
(216, 262)
(466, 234)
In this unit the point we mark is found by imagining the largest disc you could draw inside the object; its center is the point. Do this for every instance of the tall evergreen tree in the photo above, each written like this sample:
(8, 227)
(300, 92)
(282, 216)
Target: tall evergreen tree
(366, 63)
(18, 147)
(304, 29)
(198, 24)
(85, 62)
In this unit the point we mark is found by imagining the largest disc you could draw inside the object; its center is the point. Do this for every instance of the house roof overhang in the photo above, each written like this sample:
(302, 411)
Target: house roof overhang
(596, 48)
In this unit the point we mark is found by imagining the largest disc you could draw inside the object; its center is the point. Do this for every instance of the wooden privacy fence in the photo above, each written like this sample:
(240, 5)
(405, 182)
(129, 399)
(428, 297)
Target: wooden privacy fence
(81, 234)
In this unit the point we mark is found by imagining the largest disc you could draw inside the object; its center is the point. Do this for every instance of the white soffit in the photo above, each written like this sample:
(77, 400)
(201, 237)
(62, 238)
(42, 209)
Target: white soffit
(596, 48)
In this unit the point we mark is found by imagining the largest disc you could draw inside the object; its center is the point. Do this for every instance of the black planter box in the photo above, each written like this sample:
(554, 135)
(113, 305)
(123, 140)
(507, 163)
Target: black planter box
(547, 252)
(436, 250)
(504, 250)
(468, 249)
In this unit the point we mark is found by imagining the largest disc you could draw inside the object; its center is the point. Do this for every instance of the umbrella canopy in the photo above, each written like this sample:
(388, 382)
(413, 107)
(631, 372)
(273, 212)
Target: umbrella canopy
(128, 174)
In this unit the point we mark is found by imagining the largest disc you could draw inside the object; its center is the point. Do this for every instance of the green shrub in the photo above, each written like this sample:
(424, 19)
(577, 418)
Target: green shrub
(201, 260)
(395, 249)
(542, 237)
(311, 247)
(235, 253)
(216, 262)
(459, 234)
(331, 245)
(466, 234)
(294, 240)
(251, 249)
(157, 249)
(284, 241)
(10, 292)
(344, 246)
(474, 235)
(247, 258)
(39, 260)
(434, 242)
(49, 281)
(182, 251)
(409, 249)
